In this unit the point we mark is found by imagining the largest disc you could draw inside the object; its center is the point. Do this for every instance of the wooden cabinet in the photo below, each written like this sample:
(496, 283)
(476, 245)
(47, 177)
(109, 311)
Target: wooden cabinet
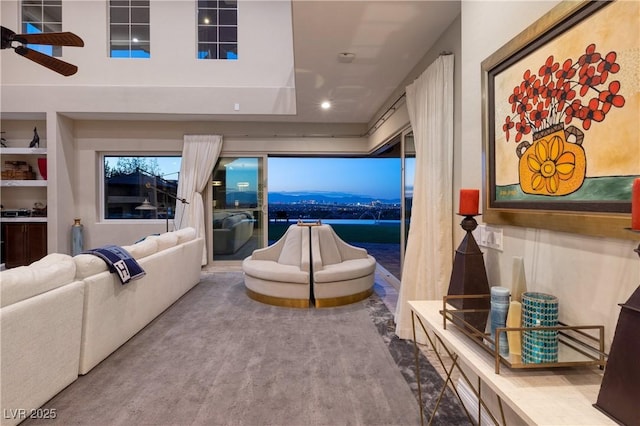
(23, 243)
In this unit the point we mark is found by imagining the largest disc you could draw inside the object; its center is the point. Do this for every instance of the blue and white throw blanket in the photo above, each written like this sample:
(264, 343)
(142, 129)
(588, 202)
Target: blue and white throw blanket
(119, 261)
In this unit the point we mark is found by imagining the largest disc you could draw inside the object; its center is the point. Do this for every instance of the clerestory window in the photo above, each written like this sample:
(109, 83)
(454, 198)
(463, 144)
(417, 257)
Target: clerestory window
(42, 16)
(218, 29)
(129, 29)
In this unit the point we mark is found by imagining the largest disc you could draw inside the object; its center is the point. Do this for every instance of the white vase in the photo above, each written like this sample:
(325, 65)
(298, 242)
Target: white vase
(518, 279)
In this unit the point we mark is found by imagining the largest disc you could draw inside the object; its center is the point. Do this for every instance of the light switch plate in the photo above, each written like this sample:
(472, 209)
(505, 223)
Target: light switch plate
(489, 236)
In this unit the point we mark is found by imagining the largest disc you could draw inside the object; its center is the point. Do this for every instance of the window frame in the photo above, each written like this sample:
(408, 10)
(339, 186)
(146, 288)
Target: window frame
(131, 26)
(218, 28)
(102, 192)
(42, 25)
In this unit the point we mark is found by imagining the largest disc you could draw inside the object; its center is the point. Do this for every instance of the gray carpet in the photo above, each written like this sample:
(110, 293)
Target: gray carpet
(218, 358)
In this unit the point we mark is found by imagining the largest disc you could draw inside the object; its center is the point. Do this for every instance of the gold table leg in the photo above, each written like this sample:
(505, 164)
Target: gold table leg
(448, 379)
(417, 361)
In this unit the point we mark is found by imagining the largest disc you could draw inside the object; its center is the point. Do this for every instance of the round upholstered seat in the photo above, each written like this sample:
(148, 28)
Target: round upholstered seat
(281, 273)
(342, 273)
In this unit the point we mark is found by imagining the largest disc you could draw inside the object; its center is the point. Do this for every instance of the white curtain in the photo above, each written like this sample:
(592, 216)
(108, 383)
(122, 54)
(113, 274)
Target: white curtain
(428, 259)
(199, 156)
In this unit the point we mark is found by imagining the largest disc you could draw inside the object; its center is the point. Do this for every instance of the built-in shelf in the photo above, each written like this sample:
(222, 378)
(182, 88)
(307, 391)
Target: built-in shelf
(24, 183)
(23, 219)
(33, 151)
(24, 237)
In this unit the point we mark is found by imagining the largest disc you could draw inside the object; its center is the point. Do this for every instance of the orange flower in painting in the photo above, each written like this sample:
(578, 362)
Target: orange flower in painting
(550, 164)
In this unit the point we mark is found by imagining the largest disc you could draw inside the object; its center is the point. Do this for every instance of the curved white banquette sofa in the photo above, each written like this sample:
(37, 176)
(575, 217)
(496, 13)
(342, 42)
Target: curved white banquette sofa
(41, 308)
(342, 273)
(279, 274)
(62, 315)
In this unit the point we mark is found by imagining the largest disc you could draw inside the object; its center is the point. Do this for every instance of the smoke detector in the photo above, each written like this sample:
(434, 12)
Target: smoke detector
(346, 57)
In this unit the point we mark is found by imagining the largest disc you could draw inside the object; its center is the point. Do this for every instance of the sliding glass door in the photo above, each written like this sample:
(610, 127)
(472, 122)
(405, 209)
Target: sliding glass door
(240, 219)
(238, 207)
(408, 174)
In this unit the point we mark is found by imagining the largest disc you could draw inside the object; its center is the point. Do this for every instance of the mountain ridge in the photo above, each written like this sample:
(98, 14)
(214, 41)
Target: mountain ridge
(327, 197)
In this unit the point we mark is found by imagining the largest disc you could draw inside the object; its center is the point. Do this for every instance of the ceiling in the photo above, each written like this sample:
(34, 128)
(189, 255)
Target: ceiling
(388, 39)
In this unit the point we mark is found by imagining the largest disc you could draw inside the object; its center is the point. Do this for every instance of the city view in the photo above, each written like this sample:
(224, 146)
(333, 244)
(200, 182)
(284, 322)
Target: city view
(359, 197)
(331, 206)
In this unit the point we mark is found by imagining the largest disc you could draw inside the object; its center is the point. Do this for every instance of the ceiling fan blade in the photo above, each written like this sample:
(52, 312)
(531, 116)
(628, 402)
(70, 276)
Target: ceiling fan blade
(54, 39)
(50, 62)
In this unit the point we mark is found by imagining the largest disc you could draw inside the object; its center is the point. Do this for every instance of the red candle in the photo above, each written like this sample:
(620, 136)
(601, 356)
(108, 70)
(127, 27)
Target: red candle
(635, 205)
(469, 199)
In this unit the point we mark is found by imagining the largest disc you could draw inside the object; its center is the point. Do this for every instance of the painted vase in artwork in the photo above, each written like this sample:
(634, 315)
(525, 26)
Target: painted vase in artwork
(562, 91)
(553, 164)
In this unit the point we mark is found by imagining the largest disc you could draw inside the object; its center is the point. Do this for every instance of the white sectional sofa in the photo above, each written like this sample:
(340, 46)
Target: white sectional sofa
(62, 315)
(231, 230)
(113, 312)
(40, 327)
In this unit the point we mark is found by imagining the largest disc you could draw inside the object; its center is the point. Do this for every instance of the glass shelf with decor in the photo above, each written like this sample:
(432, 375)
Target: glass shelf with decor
(578, 346)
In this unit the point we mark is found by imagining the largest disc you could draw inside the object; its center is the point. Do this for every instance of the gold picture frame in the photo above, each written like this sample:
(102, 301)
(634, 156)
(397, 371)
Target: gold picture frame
(544, 95)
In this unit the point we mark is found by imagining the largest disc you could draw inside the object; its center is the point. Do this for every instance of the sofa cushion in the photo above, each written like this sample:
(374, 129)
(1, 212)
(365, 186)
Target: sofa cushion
(329, 251)
(88, 265)
(347, 270)
(291, 252)
(164, 241)
(218, 218)
(185, 234)
(143, 248)
(52, 271)
(272, 271)
(231, 220)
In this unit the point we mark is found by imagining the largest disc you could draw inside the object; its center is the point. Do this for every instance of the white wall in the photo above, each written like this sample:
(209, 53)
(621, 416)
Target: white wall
(155, 85)
(589, 275)
(61, 192)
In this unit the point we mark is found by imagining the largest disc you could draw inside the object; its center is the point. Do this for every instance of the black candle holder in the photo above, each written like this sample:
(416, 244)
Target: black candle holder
(469, 277)
(618, 393)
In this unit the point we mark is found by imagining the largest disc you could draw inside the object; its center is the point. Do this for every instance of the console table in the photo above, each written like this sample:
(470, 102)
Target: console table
(558, 396)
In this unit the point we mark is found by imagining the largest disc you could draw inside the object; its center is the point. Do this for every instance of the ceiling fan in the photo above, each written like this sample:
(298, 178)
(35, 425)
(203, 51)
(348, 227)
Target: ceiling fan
(51, 39)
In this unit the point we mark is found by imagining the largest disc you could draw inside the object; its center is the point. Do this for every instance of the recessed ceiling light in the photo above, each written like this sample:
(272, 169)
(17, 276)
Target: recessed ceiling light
(325, 105)
(135, 39)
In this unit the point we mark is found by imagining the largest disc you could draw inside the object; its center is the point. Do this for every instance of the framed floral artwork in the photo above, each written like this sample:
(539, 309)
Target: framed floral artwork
(561, 121)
